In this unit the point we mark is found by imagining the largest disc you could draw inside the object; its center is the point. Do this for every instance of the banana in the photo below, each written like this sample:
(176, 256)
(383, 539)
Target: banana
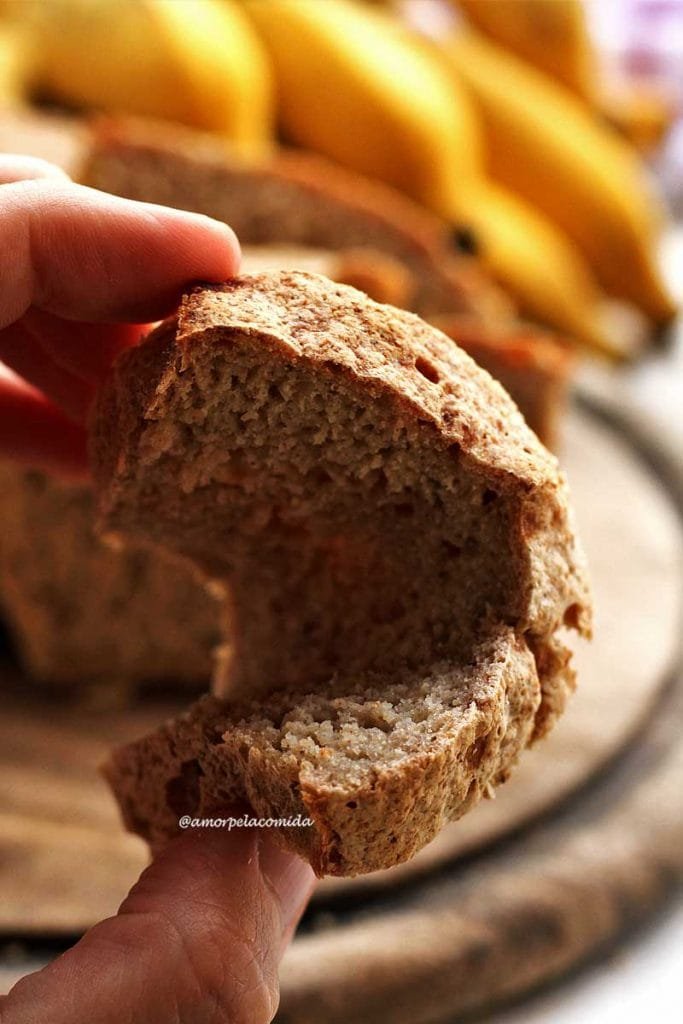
(641, 112)
(197, 63)
(545, 146)
(354, 84)
(537, 264)
(552, 35)
(13, 66)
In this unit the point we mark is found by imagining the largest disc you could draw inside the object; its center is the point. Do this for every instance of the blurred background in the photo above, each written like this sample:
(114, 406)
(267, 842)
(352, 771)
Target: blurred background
(511, 170)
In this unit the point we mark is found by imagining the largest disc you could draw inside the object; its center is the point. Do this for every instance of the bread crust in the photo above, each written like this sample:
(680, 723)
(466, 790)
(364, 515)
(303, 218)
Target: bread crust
(391, 360)
(534, 366)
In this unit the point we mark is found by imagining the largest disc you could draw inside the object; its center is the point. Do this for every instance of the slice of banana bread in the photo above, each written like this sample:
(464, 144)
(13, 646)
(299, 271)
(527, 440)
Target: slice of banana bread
(389, 530)
(293, 198)
(379, 766)
(89, 618)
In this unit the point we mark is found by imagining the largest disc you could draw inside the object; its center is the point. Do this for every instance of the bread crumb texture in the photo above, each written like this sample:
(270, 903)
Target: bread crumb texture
(398, 555)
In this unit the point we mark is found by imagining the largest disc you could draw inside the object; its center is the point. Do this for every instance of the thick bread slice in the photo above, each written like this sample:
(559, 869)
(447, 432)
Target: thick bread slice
(373, 499)
(371, 494)
(379, 769)
(293, 198)
(90, 620)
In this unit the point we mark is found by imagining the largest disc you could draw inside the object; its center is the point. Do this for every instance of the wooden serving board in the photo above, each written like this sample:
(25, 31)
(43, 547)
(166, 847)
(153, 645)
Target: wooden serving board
(582, 838)
(476, 931)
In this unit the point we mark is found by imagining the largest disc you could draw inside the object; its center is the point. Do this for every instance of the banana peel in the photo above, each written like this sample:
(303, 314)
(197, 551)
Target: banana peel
(356, 85)
(13, 66)
(642, 112)
(197, 63)
(545, 146)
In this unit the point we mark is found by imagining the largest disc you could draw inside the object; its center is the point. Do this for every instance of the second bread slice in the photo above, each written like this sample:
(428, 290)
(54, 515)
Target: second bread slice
(377, 767)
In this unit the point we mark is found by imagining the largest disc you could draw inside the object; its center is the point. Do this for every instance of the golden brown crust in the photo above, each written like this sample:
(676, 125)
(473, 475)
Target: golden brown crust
(534, 366)
(412, 379)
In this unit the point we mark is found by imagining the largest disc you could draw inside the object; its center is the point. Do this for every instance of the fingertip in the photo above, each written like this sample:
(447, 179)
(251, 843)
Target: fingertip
(211, 242)
(18, 167)
(229, 239)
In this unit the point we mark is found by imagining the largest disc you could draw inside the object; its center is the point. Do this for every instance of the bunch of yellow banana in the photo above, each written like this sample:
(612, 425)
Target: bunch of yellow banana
(547, 147)
(198, 63)
(551, 35)
(556, 203)
(538, 266)
(357, 85)
(353, 83)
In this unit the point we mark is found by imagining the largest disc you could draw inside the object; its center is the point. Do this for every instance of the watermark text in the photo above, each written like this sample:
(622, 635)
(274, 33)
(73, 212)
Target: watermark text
(298, 821)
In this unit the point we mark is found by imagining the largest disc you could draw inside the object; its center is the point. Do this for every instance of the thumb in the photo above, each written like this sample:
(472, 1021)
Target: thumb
(198, 940)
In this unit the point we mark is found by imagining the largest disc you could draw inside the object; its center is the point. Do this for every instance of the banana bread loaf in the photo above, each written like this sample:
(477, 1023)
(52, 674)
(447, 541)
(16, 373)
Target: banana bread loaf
(398, 550)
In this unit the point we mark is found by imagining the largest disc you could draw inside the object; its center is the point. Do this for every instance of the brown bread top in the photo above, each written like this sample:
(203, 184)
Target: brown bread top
(211, 424)
(376, 504)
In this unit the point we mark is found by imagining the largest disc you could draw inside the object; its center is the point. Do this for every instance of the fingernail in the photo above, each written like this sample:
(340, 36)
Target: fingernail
(290, 877)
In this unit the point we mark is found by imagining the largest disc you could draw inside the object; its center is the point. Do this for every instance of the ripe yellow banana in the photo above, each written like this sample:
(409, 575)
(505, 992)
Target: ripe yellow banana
(546, 146)
(552, 35)
(537, 264)
(354, 84)
(197, 63)
(643, 114)
(13, 66)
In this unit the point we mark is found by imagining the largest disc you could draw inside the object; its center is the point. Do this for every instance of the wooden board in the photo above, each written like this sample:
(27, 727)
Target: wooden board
(480, 932)
(55, 810)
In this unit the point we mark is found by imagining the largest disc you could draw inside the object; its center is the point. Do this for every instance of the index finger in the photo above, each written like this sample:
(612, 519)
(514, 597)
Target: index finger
(85, 255)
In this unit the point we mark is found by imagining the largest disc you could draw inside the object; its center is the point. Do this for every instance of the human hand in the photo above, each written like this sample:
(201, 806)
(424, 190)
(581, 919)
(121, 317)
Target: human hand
(197, 941)
(200, 937)
(82, 273)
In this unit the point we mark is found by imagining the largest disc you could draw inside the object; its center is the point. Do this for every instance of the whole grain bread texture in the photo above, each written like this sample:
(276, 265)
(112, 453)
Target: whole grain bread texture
(85, 619)
(535, 366)
(397, 549)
